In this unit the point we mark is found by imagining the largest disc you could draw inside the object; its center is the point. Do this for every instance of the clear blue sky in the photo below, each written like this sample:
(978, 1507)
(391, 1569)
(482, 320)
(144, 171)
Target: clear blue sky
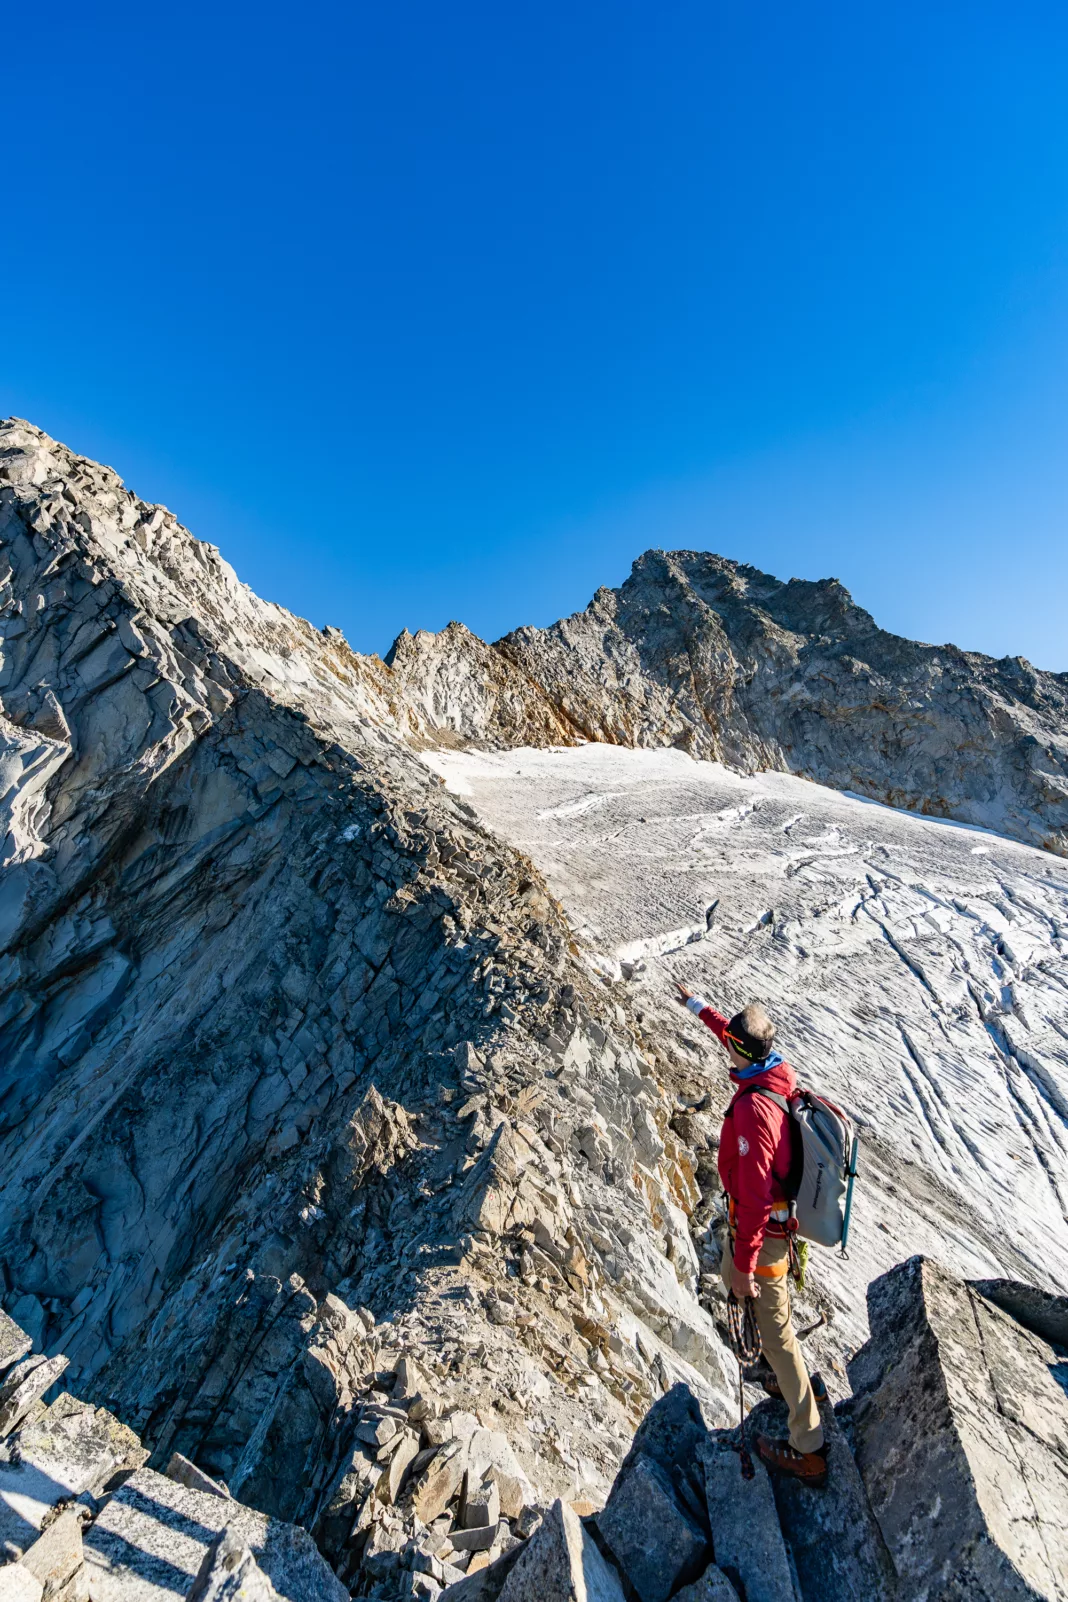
(424, 311)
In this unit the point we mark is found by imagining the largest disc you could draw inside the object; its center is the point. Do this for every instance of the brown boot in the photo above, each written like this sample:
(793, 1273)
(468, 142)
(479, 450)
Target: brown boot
(808, 1467)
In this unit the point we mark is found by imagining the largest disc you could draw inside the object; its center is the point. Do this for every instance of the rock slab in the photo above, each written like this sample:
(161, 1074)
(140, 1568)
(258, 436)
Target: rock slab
(713, 1586)
(561, 1563)
(837, 1547)
(747, 1541)
(183, 1472)
(14, 1342)
(230, 1573)
(56, 1560)
(961, 1437)
(25, 1383)
(655, 1541)
(17, 1584)
(1037, 1310)
(71, 1450)
(152, 1538)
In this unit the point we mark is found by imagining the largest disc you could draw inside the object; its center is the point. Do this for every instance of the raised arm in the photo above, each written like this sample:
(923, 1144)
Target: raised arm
(705, 1011)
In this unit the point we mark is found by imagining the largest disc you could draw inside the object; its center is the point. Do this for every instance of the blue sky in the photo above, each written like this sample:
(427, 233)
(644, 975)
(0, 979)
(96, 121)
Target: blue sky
(425, 311)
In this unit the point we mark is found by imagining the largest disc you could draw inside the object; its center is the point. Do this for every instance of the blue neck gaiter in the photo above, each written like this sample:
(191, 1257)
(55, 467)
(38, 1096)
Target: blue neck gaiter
(772, 1060)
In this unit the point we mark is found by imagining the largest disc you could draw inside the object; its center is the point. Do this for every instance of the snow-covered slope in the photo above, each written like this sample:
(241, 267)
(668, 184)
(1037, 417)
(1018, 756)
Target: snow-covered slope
(917, 970)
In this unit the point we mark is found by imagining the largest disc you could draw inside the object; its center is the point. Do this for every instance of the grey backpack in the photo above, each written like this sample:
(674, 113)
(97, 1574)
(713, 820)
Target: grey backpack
(822, 1168)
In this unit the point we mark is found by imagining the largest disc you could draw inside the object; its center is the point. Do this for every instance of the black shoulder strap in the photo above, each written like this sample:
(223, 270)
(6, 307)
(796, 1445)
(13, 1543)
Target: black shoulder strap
(759, 1090)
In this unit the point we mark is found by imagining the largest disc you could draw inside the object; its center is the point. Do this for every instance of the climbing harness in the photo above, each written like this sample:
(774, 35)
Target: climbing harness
(745, 1344)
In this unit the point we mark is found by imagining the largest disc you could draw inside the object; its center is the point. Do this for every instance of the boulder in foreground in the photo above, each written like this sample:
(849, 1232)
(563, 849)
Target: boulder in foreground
(961, 1436)
(561, 1563)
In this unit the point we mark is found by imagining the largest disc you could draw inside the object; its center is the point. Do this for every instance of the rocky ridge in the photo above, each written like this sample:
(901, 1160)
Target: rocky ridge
(280, 1021)
(947, 1478)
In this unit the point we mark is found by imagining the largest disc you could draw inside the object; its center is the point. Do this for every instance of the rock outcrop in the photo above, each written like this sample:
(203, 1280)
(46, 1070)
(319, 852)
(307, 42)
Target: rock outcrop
(947, 1477)
(154, 1537)
(960, 1427)
(82, 1520)
(453, 686)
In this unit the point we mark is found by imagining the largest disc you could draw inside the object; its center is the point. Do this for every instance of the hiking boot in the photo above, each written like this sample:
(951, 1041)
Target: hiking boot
(762, 1373)
(810, 1468)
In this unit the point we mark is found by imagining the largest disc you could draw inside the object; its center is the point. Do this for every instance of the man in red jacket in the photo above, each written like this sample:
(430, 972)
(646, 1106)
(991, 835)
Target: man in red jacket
(754, 1163)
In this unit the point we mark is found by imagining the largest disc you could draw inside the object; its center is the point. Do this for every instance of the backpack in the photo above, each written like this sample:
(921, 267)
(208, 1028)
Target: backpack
(823, 1166)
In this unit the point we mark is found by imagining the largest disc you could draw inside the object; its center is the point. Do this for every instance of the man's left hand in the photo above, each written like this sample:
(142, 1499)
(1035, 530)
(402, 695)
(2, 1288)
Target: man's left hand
(744, 1284)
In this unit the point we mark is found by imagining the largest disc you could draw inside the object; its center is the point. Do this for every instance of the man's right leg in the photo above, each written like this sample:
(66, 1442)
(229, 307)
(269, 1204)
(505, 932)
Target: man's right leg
(783, 1351)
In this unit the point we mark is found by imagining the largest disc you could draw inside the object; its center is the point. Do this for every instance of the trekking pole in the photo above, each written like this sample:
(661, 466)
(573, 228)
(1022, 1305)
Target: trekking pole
(852, 1172)
(745, 1459)
(746, 1346)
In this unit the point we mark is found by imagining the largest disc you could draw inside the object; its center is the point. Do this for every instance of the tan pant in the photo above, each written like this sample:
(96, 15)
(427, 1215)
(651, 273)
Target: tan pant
(781, 1346)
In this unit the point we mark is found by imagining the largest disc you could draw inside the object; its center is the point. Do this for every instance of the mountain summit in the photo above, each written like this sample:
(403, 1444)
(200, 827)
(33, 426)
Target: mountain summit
(732, 665)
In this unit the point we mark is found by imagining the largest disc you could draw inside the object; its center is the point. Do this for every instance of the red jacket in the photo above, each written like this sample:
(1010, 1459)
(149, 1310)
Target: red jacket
(754, 1149)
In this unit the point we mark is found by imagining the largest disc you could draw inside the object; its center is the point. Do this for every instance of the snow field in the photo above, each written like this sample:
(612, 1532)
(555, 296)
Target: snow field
(917, 971)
